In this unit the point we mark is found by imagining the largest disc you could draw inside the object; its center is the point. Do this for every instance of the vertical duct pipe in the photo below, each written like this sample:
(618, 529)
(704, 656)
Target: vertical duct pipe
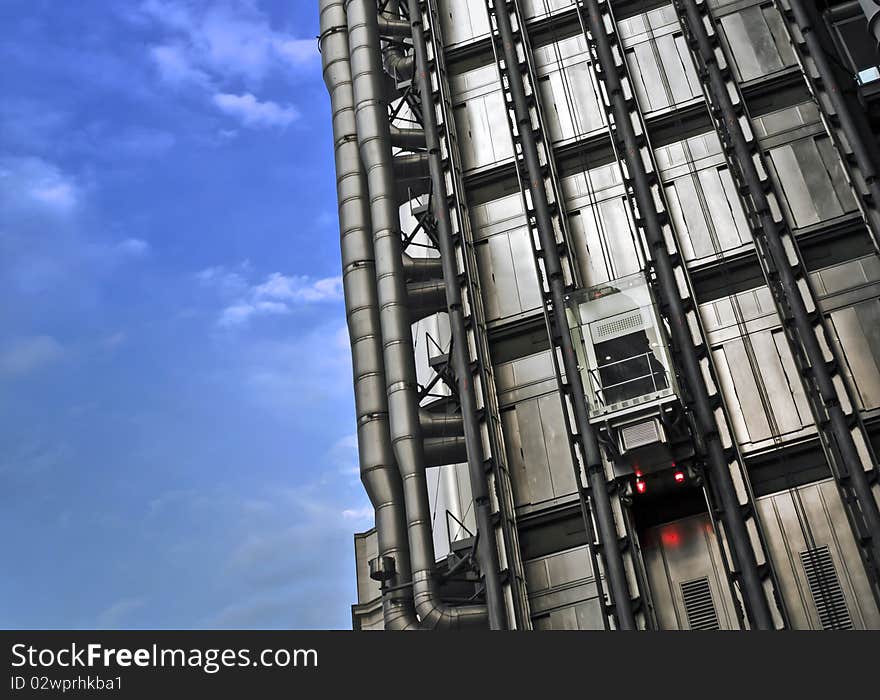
(615, 571)
(757, 607)
(487, 546)
(374, 139)
(379, 473)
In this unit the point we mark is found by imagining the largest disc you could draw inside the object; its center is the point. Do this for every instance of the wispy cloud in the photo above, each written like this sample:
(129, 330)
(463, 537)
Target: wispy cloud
(114, 615)
(253, 113)
(276, 294)
(24, 355)
(226, 39)
(30, 181)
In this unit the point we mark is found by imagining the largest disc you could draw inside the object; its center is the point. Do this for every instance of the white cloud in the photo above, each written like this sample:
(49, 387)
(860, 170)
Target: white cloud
(253, 113)
(225, 40)
(299, 288)
(175, 68)
(134, 247)
(239, 313)
(36, 182)
(24, 355)
(276, 294)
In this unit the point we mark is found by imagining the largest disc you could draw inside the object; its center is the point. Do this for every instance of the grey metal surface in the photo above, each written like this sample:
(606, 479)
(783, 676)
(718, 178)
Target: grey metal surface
(374, 139)
(759, 379)
(378, 469)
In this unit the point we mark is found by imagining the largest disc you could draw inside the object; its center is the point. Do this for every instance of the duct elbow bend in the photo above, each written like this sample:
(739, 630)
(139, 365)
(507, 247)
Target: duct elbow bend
(436, 615)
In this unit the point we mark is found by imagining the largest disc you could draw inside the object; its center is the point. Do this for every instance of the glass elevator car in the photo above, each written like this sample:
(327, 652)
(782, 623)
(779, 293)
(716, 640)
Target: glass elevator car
(627, 374)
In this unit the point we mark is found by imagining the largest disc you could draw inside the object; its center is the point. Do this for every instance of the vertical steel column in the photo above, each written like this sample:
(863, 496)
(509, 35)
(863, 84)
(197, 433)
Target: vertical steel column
(703, 399)
(784, 271)
(585, 439)
(833, 92)
(451, 190)
(487, 546)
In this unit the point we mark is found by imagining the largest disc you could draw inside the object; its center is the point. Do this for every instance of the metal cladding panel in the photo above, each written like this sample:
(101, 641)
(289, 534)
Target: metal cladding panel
(659, 61)
(562, 591)
(857, 334)
(463, 21)
(803, 161)
(449, 491)
(543, 8)
(702, 197)
(538, 455)
(757, 41)
(677, 556)
(805, 519)
(601, 229)
(569, 91)
(478, 105)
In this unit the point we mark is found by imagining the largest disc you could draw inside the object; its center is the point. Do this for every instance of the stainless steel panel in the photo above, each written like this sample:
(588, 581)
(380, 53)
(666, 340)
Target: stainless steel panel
(747, 392)
(852, 326)
(679, 552)
(757, 41)
(538, 454)
(463, 20)
(507, 274)
(804, 518)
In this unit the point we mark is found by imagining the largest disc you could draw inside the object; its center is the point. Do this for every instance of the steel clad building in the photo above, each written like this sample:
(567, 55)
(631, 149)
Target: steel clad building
(613, 291)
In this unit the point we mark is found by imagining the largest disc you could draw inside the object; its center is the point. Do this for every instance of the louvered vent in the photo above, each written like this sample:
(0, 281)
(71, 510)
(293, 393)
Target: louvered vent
(640, 434)
(618, 325)
(825, 589)
(698, 605)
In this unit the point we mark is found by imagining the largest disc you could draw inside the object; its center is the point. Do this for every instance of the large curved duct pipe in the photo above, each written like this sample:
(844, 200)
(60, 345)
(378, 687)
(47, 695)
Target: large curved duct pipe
(379, 473)
(374, 139)
(397, 64)
(487, 546)
(422, 269)
(871, 8)
(425, 299)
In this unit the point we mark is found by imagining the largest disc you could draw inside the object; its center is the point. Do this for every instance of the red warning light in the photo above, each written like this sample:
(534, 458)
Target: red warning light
(641, 486)
(679, 477)
(638, 472)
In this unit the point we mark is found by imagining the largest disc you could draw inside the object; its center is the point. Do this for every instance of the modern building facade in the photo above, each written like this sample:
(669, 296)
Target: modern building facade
(613, 291)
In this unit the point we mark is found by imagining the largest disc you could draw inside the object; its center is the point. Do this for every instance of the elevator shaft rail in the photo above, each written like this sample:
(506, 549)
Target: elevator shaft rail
(834, 91)
(558, 275)
(835, 412)
(750, 571)
(450, 201)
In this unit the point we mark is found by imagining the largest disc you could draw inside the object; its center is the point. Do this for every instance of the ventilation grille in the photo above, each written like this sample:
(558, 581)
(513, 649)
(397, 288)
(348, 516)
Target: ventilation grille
(618, 326)
(825, 589)
(640, 434)
(698, 605)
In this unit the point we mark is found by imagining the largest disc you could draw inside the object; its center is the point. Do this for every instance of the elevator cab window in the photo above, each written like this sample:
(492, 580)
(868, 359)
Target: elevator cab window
(622, 352)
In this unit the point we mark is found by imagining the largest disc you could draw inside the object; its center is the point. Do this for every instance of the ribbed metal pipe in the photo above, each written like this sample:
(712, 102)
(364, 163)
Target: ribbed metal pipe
(379, 472)
(374, 139)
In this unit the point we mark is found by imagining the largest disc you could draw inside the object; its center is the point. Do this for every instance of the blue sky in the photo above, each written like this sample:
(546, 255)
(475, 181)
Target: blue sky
(175, 384)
